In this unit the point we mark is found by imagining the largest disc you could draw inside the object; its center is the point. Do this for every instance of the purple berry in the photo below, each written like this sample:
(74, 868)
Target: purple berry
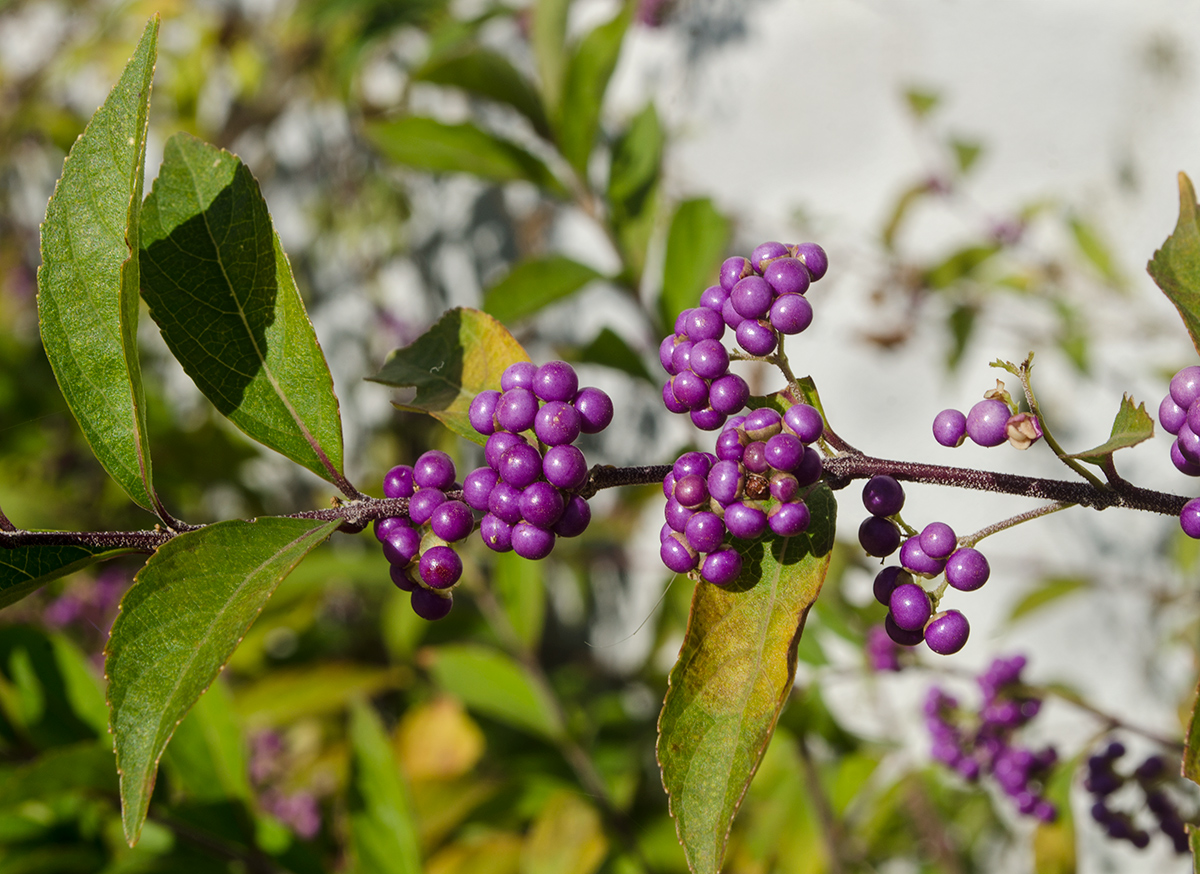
(709, 359)
(565, 467)
(452, 520)
(791, 314)
(950, 428)
(704, 532)
(757, 338)
(910, 606)
(665, 351)
(938, 540)
(987, 422)
(677, 515)
(690, 390)
(431, 605)
(788, 520)
(495, 533)
(1189, 518)
(434, 470)
(705, 324)
(915, 559)
(505, 503)
(518, 375)
(902, 636)
(714, 298)
(752, 297)
(967, 569)
(814, 258)
(557, 423)
(732, 270)
(691, 491)
(595, 410)
(809, 470)
(886, 582)
(423, 503)
(482, 411)
(669, 485)
(762, 423)
(677, 556)
(744, 521)
(787, 276)
(754, 457)
(1193, 418)
(574, 519)
(805, 422)
(728, 394)
(731, 316)
(440, 567)
(681, 322)
(883, 495)
(520, 465)
(1189, 443)
(386, 525)
(707, 420)
(729, 445)
(670, 401)
(555, 381)
(402, 545)
(542, 504)
(1185, 386)
(681, 356)
(478, 486)
(722, 567)
(691, 462)
(725, 482)
(784, 487)
(400, 578)
(398, 482)
(1170, 415)
(1182, 464)
(878, 536)
(516, 410)
(498, 444)
(947, 633)
(530, 541)
(784, 452)
(764, 253)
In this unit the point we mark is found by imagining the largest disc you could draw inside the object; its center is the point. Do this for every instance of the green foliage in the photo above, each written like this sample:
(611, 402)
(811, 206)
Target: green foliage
(249, 347)
(1176, 266)
(488, 74)
(734, 674)
(1047, 592)
(1132, 426)
(534, 284)
(695, 248)
(26, 569)
(382, 831)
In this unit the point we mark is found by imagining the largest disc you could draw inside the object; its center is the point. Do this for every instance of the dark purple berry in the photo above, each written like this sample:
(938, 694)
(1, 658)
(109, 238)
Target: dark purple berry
(398, 482)
(542, 504)
(705, 324)
(886, 582)
(681, 322)
(714, 298)
(757, 338)
(947, 633)
(902, 636)
(691, 491)
(744, 521)
(518, 375)
(707, 419)
(764, 253)
(434, 470)
(520, 465)
(752, 297)
(725, 482)
(809, 470)
(431, 605)
(787, 276)
(729, 445)
(452, 520)
(814, 258)
(691, 462)
(915, 559)
(495, 533)
(791, 314)
(400, 578)
(575, 518)
(704, 532)
(677, 515)
(478, 486)
(883, 495)
(731, 316)
(530, 541)
(967, 569)
(482, 411)
(666, 349)
(1185, 386)
(555, 381)
(722, 567)
(440, 567)
(677, 556)
(938, 540)
(1182, 464)
(728, 394)
(987, 422)
(1189, 519)
(565, 467)
(910, 606)
(709, 359)
(556, 424)
(788, 520)
(950, 428)
(754, 457)
(690, 390)
(385, 525)
(402, 545)
(505, 503)
(423, 503)
(878, 536)
(516, 409)
(784, 486)
(497, 445)
(681, 356)
(784, 452)
(762, 424)
(670, 401)
(732, 270)
(669, 485)
(1188, 442)
(595, 410)
(805, 422)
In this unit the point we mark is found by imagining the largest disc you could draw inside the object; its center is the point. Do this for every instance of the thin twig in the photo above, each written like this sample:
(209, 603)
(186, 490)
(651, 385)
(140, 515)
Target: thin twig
(1023, 374)
(1011, 521)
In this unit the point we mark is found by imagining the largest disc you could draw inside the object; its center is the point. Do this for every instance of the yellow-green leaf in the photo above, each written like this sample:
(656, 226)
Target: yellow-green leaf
(383, 833)
(1176, 266)
(1132, 426)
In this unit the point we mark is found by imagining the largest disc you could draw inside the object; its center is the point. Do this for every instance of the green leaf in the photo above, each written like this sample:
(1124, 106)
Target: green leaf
(902, 209)
(966, 153)
(1131, 426)
(960, 265)
(1176, 266)
(536, 283)
(548, 34)
(588, 71)
(488, 681)
(83, 766)
(382, 831)
(435, 147)
(1093, 247)
(1047, 592)
(566, 838)
(611, 350)
(487, 74)
(284, 696)
(695, 248)
(464, 353)
(636, 156)
(205, 758)
(89, 277)
(961, 323)
(921, 101)
(221, 290)
(1191, 749)
(521, 590)
(188, 609)
(27, 568)
(734, 674)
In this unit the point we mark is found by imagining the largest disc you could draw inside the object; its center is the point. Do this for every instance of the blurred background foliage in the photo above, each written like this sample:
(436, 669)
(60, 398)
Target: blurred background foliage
(418, 155)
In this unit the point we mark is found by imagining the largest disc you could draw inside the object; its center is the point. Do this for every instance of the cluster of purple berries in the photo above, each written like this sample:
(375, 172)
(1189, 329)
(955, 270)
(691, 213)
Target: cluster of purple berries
(755, 481)
(979, 744)
(759, 299)
(1179, 414)
(989, 423)
(1151, 776)
(911, 615)
(527, 492)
